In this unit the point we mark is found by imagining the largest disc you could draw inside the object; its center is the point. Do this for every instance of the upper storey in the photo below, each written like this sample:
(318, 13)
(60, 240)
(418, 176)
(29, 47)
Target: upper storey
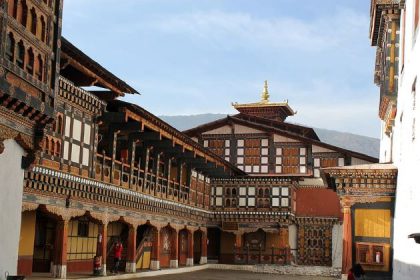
(385, 35)
(29, 57)
(265, 108)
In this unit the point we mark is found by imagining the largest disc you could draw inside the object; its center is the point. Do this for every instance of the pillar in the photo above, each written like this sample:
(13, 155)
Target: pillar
(173, 263)
(130, 265)
(347, 240)
(102, 246)
(155, 259)
(190, 255)
(60, 263)
(203, 259)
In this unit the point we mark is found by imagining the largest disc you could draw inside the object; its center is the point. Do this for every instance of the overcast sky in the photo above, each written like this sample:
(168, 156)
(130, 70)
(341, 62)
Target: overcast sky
(198, 56)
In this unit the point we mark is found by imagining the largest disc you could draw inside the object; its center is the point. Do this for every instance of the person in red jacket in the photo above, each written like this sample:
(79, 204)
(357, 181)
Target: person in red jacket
(118, 248)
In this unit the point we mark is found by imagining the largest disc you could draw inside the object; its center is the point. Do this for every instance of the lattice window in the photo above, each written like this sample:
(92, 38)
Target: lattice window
(291, 160)
(314, 244)
(252, 155)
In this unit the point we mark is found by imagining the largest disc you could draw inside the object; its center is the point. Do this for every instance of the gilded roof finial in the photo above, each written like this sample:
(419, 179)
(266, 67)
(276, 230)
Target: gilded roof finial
(265, 95)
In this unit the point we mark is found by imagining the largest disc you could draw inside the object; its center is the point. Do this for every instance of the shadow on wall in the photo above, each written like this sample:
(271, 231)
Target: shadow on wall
(406, 271)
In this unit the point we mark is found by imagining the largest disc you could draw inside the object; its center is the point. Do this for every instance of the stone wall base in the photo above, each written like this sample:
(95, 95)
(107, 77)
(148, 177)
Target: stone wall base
(59, 271)
(154, 265)
(203, 260)
(130, 267)
(173, 263)
(190, 262)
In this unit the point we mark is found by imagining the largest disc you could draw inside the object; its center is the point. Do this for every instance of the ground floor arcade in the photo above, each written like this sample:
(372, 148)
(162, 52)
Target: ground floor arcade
(64, 241)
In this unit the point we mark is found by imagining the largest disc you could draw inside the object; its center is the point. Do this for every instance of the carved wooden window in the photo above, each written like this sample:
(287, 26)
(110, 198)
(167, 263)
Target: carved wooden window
(23, 13)
(291, 160)
(252, 155)
(373, 256)
(31, 60)
(217, 146)
(21, 55)
(34, 21)
(314, 244)
(39, 68)
(324, 162)
(43, 26)
(10, 47)
(280, 197)
(12, 9)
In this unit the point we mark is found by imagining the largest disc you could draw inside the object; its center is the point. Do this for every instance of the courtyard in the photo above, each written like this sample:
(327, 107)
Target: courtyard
(214, 274)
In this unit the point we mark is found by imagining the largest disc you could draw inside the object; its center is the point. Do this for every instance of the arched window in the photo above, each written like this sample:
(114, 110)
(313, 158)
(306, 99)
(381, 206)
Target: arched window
(39, 69)
(266, 192)
(233, 192)
(42, 33)
(59, 124)
(21, 55)
(10, 47)
(52, 147)
(228, 192)
(34, 21)
(227, 203)
(12, 10)
(23, 15)
(30, 64)
(57, 149)
(260, 192)
(46, 145)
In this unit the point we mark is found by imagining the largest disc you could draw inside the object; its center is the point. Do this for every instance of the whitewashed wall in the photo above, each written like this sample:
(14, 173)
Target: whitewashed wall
(406, 156)
(11, 189)
(337, 245)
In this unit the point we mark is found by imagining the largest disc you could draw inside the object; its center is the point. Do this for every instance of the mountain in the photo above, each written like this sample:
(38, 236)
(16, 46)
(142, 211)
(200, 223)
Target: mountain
(354, 142)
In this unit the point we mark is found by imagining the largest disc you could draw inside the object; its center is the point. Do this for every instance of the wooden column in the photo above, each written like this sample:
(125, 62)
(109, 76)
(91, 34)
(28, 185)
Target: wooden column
(114, 151)
(347, 240)
(203, 259)
(173, 263)
(102, 246)
(155, 258)
(131, 250)
(145, 159)
(60, 263)
(190, 254)
(131, 160)
(284, 237)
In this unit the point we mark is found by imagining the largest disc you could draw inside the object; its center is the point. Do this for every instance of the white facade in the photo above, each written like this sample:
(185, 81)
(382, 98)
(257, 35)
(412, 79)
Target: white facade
(402, 147)
(11, 187)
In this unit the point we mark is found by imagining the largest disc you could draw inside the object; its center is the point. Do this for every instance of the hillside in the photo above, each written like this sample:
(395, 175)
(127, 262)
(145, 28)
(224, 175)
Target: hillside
(354, 142)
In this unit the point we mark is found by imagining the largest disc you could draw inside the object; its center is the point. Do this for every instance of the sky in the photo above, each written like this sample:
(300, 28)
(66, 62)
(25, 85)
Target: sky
(198, 56)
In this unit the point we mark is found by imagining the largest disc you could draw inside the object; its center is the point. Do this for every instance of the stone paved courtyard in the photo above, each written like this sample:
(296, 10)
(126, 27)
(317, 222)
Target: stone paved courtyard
(213, 274)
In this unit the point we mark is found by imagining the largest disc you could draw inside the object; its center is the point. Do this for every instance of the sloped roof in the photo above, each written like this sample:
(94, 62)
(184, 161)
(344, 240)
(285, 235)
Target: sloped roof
(118, 104)
(84, 71)
(317, 202)
(297, 132)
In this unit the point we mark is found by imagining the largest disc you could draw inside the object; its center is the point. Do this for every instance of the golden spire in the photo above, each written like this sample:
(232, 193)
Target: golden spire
(265, 95)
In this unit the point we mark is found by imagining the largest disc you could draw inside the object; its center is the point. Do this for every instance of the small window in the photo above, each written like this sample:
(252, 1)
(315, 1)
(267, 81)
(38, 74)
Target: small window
(34, 21)
(24, 13)
(21, 55)
(43, 26)
(10, 47)
(39, 68)
(30, 64)
(83, 229)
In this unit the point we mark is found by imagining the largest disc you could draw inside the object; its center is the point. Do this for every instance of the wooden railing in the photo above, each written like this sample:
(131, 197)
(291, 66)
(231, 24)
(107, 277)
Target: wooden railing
(248, 255)
(136, 179)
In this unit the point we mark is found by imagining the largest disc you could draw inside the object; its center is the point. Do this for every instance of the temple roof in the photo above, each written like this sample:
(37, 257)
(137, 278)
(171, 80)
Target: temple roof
(265, 108)
(83, 71)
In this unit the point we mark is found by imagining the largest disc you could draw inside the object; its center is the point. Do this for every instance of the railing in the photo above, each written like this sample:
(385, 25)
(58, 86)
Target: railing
(133, 178)
(248, 255)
